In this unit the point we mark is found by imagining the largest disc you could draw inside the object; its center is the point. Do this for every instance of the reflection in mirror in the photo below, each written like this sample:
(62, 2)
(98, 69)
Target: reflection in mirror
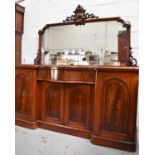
(97, 43)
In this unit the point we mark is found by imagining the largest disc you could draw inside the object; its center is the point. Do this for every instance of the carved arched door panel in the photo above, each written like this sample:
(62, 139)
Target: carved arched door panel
(78, 106)
(22, 95)
(115, 106)
(115, 110)
(52, 103)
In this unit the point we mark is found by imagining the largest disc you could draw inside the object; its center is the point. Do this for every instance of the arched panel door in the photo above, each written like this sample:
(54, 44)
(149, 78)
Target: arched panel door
(77, 107)
(115, 106)
(115, 110)
(78, 104)
(22, 95)
(52, 103)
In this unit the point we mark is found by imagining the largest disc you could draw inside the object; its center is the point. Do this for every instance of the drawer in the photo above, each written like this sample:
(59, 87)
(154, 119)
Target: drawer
(73, 75)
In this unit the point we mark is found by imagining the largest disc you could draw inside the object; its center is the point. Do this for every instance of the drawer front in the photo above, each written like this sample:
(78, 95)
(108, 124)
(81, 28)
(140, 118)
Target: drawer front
(77, 75)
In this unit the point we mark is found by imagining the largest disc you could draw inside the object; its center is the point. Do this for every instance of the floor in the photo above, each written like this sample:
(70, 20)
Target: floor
(45, 142)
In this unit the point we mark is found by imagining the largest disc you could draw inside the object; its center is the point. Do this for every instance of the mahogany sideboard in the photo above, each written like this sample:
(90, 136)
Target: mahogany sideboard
(95, 102)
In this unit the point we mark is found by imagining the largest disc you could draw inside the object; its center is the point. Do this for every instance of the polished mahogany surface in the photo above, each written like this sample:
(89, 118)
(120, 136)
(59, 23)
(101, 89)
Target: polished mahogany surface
(95, 102)
(19, 26)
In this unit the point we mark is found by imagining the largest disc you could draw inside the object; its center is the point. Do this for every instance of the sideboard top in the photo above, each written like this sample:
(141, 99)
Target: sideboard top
(108, 68)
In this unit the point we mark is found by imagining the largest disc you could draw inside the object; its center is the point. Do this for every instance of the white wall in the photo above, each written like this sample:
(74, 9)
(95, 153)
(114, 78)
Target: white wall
(41, 12)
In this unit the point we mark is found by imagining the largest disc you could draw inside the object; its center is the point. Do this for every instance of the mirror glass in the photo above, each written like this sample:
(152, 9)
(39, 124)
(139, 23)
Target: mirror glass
(96, 43)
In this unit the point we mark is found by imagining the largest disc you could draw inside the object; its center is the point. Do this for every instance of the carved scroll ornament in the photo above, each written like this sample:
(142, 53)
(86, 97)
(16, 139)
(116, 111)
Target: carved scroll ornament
(132, 61)
(79, 16)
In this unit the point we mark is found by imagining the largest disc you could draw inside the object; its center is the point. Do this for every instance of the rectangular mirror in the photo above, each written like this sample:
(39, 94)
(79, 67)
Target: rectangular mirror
(78, 43)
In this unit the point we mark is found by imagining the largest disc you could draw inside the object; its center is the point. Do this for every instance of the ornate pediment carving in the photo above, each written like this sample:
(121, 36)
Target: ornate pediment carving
(79, 16)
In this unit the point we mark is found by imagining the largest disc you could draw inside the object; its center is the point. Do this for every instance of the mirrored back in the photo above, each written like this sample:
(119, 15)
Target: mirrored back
(99, 41)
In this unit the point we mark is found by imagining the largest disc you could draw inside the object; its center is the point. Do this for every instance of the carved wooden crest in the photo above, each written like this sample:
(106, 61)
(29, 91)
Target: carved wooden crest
(79, 16)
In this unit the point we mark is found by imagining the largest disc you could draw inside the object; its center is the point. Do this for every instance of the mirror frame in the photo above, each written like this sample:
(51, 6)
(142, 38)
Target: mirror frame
(80, 17)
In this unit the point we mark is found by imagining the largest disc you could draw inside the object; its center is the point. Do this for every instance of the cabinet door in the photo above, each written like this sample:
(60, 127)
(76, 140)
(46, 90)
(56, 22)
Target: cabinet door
(115, 103)
(115, 110)
(52, 103)
(78, 106)
(25, 94)
(22, 99)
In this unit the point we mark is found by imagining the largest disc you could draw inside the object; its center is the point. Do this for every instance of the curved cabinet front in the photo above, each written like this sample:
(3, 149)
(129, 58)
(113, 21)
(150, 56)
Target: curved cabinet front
(66, 107)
